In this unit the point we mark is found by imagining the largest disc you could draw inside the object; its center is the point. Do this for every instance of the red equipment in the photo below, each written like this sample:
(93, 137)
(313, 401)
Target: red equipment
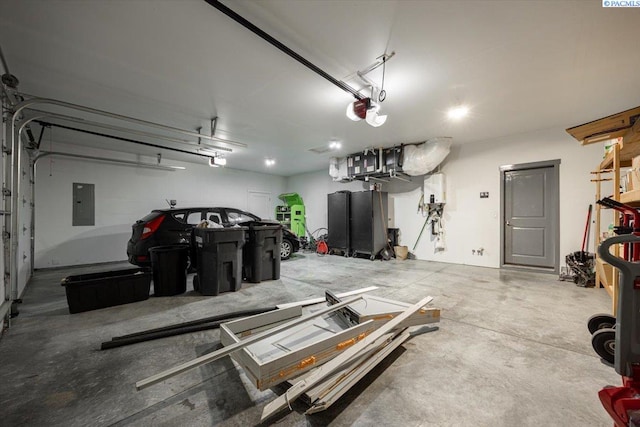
(631, 251)
(322, 248)
(622, 403)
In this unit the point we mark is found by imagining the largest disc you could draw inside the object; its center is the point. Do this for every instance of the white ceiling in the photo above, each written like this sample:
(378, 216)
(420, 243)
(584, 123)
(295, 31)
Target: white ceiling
(520, 65)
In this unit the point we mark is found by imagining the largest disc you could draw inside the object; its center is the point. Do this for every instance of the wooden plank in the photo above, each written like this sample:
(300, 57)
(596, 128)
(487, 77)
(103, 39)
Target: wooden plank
(633, 134)
(595, 130)
(598, 233)
(345, 380)
(605, 273)
(176, 370)
(604, 137)
(616, 222)
(331, 366)
(631, 197)
(607, 162)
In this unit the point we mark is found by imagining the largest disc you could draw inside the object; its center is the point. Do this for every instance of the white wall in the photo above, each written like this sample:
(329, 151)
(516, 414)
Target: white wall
(471, 222)
(124, 194)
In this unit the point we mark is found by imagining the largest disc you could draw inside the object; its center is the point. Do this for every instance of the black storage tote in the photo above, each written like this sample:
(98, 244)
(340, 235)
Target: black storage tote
(99, 290)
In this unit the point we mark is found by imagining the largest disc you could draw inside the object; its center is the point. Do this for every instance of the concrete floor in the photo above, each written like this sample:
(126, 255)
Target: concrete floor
(512, 349)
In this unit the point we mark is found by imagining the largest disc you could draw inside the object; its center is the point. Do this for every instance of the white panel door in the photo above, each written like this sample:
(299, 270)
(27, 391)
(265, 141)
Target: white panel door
(259, 203)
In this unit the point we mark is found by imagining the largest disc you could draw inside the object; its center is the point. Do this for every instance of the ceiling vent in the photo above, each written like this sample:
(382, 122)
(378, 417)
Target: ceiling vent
(320, 150)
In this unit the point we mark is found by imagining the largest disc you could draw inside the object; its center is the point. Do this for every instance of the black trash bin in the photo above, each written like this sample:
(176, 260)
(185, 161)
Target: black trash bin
(169, 264)
(219, 259)
(261, 254)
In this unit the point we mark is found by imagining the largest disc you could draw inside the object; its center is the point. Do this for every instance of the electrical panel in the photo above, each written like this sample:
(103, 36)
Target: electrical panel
(84, 210)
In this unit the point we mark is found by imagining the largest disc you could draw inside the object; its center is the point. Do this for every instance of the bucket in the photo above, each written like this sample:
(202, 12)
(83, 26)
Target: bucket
(401, 252)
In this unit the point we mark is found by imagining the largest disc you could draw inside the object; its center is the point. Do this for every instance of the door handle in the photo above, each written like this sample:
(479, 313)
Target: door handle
(508, 223)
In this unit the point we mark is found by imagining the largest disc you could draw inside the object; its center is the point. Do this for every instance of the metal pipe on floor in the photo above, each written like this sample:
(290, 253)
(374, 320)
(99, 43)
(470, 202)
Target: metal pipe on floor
(107, 345)
(170, 331)
(223, 317)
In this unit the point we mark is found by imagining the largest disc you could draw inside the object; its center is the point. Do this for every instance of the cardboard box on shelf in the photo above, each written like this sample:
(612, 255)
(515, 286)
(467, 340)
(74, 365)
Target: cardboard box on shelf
(635, 173)
(628, 179)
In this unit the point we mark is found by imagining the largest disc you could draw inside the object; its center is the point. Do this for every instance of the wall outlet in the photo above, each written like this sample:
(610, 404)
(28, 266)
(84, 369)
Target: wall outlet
(484, 194)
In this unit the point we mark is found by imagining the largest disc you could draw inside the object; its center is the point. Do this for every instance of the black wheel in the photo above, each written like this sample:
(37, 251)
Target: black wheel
(196, 283)
(372, 257)
(354, 254)
(604, 343)
(286, 249)
(601, 321)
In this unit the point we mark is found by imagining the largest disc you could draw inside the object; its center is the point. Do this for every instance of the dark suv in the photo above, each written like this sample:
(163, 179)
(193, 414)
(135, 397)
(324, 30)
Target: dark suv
(173, 226)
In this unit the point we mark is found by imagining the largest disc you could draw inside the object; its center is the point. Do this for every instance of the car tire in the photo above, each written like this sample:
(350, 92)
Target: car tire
(286, 249)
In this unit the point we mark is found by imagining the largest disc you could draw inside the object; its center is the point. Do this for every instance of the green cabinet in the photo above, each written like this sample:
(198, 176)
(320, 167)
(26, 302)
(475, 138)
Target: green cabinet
(292, 213)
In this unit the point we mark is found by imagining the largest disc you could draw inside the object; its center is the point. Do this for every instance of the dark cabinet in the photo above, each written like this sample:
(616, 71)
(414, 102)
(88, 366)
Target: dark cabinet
(339, 217)
(357, 222)
(369, 213)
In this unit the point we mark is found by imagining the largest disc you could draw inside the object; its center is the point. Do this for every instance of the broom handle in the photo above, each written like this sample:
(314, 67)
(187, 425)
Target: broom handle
(586, 229)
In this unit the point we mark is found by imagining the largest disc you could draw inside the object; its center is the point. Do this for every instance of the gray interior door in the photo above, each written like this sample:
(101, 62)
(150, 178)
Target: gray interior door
(530, 214)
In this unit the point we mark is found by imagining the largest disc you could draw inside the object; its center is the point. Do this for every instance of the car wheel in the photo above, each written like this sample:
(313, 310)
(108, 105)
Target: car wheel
(286, 249)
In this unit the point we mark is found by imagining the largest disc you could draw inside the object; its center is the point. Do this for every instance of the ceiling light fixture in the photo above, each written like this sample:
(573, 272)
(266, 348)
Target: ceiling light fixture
(335, 145)
(269, 162)
(457, 113)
